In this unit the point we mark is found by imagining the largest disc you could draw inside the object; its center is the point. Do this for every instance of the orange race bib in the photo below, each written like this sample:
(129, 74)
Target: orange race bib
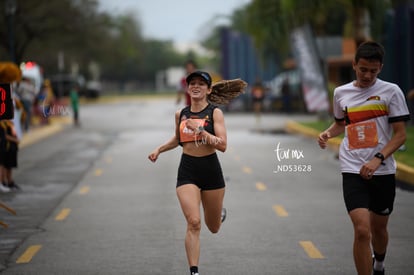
(187, 135)
(362, 135)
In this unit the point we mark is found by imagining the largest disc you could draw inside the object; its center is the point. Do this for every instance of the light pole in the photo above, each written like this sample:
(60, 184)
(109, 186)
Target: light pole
(10, 9)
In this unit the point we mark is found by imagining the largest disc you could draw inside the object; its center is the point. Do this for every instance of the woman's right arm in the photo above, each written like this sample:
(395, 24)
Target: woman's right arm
(170, 144)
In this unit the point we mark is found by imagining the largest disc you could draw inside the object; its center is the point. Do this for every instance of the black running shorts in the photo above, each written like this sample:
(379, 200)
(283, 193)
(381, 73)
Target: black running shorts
(205, 172)
(376, 194)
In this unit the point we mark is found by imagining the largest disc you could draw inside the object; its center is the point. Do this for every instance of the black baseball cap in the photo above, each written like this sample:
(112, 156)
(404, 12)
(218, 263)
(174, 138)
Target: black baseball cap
(203, 75)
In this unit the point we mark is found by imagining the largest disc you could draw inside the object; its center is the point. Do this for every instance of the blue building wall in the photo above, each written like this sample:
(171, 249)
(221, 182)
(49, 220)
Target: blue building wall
(399, 46)
(239, 58)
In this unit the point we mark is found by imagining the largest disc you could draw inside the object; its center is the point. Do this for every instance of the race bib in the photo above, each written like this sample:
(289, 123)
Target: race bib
(187, 135)
(362, 135)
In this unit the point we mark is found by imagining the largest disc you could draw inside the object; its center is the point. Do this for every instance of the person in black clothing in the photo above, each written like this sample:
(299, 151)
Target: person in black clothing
(3, 186)
(258, 95)
(9, 152)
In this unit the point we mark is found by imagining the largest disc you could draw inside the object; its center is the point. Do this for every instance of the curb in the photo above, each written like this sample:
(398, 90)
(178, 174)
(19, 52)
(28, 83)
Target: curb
(404, 172)
(38, 133)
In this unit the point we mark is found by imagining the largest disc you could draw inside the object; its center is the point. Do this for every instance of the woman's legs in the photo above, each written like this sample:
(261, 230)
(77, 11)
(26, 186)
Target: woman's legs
(189, 197)
(212, 204)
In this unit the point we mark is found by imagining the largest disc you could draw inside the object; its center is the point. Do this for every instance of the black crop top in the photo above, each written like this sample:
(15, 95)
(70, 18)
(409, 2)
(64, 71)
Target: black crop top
(205, 118)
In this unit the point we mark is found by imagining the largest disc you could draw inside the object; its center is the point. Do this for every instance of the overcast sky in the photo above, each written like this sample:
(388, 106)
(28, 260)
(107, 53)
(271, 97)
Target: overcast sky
(183, 21)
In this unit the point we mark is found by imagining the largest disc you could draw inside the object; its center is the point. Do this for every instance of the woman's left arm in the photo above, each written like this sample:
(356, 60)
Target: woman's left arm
(219, 140)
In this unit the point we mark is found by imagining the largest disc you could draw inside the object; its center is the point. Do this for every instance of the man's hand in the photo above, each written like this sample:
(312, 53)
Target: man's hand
(323, 139)
(367, 170)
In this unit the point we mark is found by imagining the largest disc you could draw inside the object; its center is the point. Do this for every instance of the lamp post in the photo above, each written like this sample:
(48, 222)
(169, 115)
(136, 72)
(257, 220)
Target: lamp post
(10, 10)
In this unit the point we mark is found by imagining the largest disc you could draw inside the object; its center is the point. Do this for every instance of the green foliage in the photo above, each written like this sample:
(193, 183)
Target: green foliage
(407, 156)
(43, 28)
(76, 28)
(270, 22)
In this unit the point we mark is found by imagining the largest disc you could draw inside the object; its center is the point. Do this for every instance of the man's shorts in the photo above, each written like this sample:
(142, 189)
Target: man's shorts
(205, 172)
(376, 194)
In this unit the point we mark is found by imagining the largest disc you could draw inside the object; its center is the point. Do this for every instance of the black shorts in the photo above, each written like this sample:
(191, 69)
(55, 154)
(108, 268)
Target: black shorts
(376, 194)
(10, 159)
(205, 172)
(2, 155)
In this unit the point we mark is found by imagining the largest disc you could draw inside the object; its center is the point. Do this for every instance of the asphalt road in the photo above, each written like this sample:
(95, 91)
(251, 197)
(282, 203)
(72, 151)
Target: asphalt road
(93, 204)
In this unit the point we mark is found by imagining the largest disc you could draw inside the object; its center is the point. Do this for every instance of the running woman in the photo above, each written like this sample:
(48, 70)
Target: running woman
(200, 130)
(372, 113)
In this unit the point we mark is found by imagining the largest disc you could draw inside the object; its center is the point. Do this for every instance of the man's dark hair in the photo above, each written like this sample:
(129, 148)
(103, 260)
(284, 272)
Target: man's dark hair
(371, 51)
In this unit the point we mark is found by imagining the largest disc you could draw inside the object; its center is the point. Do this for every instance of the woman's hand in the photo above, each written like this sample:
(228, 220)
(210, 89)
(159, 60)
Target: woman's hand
(192, 124)
(153, 156)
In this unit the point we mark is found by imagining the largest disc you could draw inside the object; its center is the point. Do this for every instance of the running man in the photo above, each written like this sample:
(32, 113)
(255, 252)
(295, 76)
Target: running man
(372, 113)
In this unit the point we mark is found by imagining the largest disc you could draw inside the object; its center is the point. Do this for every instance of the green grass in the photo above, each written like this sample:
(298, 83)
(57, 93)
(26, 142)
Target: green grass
(406, 157)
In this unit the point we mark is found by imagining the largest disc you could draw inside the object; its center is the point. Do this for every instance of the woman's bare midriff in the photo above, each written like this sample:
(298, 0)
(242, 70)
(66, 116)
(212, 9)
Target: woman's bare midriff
(198, 149)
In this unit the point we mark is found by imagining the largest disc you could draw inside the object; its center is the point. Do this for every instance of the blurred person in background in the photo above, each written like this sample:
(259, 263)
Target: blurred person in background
(44, 101)
(410, 100)
(258, 94)
(27, 93)
(11, 147)
(3, 186)
(19, 116)
(74, 100)
(190, 66)
(10, 130)
(286, 96)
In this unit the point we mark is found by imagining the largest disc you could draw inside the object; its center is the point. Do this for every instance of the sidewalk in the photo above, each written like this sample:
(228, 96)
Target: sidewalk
(404, 173)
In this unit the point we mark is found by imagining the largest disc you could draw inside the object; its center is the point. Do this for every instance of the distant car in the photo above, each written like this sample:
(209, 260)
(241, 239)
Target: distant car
(63, 83)
(93, 89)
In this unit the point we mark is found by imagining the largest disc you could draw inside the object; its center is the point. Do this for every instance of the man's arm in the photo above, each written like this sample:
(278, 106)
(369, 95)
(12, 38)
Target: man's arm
(336, 128)
(398, 139)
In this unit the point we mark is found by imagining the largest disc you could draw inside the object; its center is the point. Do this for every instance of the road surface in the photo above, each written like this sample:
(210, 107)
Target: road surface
(93, 204)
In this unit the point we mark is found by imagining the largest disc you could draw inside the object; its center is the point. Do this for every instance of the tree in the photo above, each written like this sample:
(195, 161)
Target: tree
(271, 21)
(123, 51)
(43, 20)
(43, 29)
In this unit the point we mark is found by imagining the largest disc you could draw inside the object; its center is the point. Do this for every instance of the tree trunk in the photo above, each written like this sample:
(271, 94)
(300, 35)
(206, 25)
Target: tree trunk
(361, 25)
